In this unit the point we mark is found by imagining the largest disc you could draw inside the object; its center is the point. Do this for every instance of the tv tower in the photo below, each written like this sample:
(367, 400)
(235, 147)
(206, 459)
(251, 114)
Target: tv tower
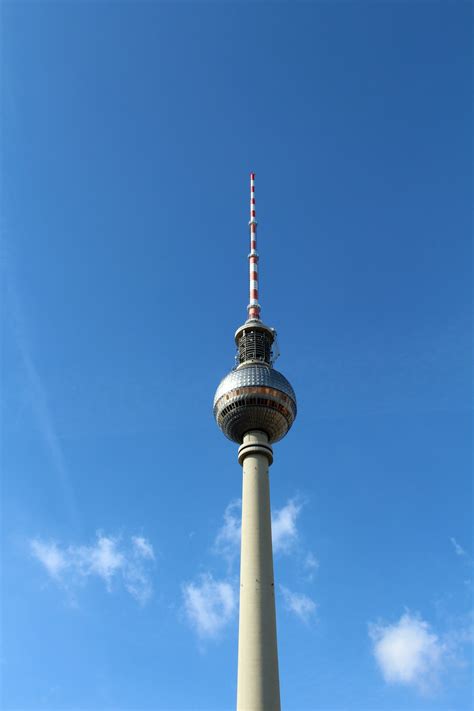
(255, 406)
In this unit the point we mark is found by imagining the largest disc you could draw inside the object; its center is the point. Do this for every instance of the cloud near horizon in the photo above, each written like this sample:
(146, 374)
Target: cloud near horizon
(108, 559)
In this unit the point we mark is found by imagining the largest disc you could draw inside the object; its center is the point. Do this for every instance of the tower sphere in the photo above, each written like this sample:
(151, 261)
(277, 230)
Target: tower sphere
(254, 396)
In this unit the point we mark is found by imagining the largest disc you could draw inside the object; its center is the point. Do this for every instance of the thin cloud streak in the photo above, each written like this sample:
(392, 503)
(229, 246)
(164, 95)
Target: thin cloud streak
(39, 399)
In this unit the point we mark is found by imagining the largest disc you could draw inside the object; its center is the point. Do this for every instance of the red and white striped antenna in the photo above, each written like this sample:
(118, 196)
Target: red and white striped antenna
(254, 307)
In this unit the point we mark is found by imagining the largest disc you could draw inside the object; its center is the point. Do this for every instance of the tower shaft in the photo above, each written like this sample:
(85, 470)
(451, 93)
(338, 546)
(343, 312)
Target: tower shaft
(258, 687)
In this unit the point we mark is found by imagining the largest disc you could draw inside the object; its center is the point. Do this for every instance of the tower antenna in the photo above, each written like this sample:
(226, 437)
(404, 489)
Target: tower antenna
(254, 307)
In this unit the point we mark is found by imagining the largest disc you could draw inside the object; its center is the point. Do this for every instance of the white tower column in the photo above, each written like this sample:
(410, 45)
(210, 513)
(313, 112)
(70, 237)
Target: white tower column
(258, 687)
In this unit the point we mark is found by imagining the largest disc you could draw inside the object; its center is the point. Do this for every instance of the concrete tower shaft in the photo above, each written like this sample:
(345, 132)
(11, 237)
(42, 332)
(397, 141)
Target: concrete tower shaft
(258, 685)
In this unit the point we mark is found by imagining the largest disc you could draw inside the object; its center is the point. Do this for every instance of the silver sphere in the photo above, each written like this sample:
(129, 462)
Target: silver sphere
(254, 397)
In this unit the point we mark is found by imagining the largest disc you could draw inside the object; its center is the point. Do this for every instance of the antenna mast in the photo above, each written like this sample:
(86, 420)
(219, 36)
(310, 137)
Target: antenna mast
(254, 307)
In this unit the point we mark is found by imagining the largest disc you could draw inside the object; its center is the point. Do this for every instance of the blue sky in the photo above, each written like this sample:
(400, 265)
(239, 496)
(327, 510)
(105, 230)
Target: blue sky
(128, 132)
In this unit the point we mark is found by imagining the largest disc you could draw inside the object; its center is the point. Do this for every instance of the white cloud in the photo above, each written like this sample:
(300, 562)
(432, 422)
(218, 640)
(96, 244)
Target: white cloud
(311, 564)
(284, 531)
(459, 550)
(50, 556)
(102, 559)
(108, 559)
(209, 605)
(408, 652)
(143, 547)
(138, 583)
(298, 603)
(227, 541)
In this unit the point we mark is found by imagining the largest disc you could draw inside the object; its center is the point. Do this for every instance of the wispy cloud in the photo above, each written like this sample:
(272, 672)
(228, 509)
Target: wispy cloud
(408, 652)
(298, 603)
(466, 560)
(457, 548)
(50, 556)
(143, 547)
(209, 605)
(104, 559)
(227, 542)
(108, 558)
(284, 530)
(311, 565)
